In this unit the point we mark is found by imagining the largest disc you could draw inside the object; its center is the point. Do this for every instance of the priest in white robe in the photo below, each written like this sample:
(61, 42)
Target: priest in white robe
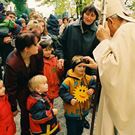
(115, 57)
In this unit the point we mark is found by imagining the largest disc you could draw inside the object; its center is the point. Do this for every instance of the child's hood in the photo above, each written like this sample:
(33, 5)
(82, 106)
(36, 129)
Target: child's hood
(70, 73)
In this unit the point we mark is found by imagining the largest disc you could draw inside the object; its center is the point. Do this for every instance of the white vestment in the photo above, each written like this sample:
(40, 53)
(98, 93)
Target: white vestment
(116, 60)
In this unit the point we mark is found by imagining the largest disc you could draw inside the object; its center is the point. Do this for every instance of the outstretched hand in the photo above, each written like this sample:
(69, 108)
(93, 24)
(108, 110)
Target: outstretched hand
(91, 63)
(60, 63)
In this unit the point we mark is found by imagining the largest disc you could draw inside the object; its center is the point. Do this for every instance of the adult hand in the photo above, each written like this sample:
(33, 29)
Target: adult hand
(15, 113)
(91, 63)
(103, 32)
(60, 64)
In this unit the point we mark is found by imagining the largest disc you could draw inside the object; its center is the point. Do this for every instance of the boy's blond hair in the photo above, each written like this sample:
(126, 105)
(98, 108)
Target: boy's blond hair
(35, 81)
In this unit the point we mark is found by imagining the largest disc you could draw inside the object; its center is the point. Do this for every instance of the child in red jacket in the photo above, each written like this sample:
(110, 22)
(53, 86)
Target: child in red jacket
(7, 124)
(51, 70)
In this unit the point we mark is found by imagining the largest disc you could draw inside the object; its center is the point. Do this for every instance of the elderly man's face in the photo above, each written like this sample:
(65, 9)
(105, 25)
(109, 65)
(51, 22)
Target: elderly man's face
(113, 24)
(89, 17)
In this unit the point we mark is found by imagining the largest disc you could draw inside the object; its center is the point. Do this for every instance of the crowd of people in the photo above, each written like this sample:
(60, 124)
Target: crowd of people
(45, 59)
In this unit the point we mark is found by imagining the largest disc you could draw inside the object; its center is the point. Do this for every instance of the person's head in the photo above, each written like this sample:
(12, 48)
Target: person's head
(10, 15)
(78, 65)
(42, 23)
(2, 88)
(53, 25)
(23, 22)
(35, 16)
(60, 22)
(65, 20)
(116, 15)
(47, 48)
(34, 26)
(38, 84)
(89, 15)
(26, 42)
(25, 17)
(114, 22)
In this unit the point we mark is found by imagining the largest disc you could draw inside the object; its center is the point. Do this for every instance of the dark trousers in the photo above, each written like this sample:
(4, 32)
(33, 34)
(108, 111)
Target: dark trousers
(24, 121)
(115, 131)
(74, 127)
(6, 50)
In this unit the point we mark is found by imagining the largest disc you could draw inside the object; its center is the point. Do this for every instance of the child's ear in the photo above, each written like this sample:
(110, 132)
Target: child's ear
(37, 89)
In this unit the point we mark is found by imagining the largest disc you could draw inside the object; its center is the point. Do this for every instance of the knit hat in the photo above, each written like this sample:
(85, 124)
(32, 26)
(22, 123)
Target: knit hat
(76, 60)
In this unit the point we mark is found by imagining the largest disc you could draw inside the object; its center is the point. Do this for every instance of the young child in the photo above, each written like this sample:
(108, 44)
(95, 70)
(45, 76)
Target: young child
(51, 70)
(76, 91)
(7, 124)
(41, 114)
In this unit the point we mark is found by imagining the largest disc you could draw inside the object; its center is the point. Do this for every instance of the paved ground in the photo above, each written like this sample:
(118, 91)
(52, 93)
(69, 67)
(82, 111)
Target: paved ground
(60, 117)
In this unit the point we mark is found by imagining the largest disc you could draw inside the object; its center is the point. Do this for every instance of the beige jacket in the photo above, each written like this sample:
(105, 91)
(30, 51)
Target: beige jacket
(116, 63)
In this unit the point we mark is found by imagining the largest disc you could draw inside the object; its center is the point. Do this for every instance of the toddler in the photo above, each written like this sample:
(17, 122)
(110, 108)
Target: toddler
(76, 91)
(51, 70)
(7, 124)
(41, 114)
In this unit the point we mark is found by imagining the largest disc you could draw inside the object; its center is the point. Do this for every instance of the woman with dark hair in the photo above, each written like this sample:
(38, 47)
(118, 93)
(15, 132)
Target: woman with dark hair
(79, 38)
(22, 64)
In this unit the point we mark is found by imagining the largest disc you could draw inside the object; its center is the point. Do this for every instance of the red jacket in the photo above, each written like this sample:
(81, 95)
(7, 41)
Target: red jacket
(41, 116)
(53, 75)
(7, 124)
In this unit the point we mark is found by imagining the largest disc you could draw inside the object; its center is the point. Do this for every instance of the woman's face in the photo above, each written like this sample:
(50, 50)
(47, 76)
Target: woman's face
(42, 24)
(89, 17)
(32, 50)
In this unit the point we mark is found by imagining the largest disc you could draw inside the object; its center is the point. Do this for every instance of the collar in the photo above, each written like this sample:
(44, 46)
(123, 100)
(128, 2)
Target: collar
(70, 73)
(35, 94)
(78, 23)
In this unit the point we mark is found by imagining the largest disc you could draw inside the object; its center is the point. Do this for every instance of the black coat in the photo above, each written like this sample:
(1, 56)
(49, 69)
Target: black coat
(76, 41)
